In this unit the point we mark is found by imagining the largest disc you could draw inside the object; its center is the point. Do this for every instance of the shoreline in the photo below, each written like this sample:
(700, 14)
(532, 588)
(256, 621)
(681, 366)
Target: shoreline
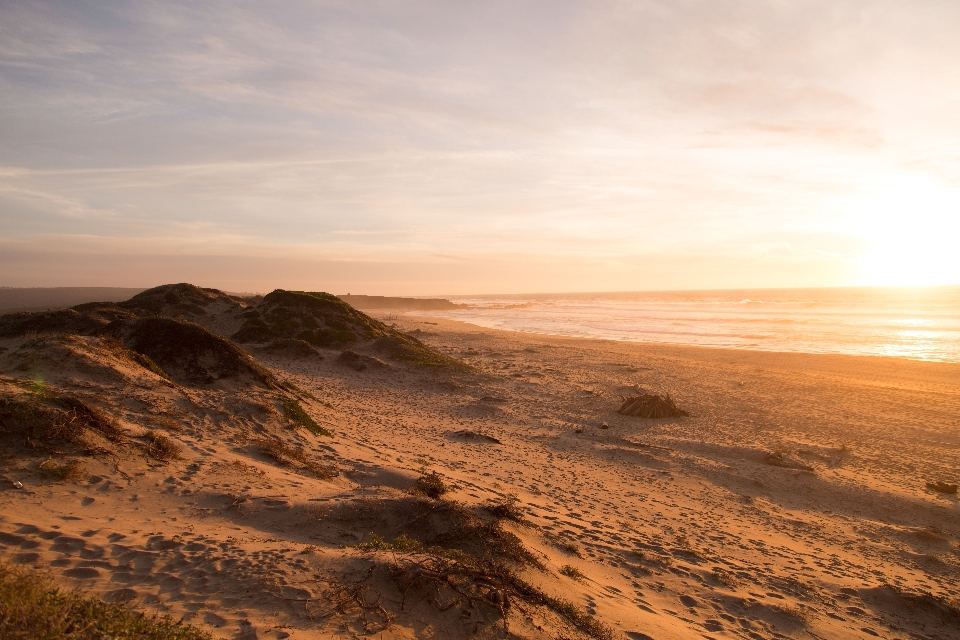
(834, 362)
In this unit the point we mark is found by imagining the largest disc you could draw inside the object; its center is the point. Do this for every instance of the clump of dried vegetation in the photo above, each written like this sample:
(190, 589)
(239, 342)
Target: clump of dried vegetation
(572, 572)
(725, 578)
(161, 447)
(72, 471)
(32, 606)
(294, 457)
(784, 458)
(463, 558)
(507, 507)
(45, 420)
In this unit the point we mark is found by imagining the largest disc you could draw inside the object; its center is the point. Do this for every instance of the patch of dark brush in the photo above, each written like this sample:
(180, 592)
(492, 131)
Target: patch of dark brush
(48, 419)
(430, 485)
(507, 507)
(162, 447)
(295, 457)
(459, 557)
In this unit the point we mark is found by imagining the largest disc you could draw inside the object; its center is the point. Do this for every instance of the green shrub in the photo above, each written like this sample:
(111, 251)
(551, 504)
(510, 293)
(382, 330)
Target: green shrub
(33, 607)
(572, 572)
(149, 365)
(431, 485)
(295, 414)
(400, 544)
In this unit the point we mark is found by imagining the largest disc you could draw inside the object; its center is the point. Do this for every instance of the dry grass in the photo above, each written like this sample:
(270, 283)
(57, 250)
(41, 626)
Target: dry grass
(296, 457)
(167, 423)
(46, 418)
(33, 607)
(460, 557)
(725, 578)
(793, 611)
(68, 472)
(572, 572)
(317, 511)
(161, 447)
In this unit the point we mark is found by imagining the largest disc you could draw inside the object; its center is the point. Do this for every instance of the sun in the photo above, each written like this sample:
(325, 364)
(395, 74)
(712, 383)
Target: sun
(911, 230)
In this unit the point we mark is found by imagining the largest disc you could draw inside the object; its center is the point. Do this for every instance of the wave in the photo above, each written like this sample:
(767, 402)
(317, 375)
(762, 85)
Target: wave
(900, 322)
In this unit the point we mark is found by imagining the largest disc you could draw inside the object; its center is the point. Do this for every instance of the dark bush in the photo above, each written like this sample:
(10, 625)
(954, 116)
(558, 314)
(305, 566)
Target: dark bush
(431, 485)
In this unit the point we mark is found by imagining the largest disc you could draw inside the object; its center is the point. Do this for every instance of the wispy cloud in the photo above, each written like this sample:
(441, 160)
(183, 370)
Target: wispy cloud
(610, 132)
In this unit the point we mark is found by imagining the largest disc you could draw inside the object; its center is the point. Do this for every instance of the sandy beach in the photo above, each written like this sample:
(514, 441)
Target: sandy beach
(791, 502)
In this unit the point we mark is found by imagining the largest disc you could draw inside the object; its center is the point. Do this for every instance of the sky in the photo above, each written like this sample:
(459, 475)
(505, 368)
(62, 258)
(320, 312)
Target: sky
(462, 147)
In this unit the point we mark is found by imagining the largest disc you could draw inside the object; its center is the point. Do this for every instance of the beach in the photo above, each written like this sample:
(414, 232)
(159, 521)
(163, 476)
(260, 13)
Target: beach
(791, 502)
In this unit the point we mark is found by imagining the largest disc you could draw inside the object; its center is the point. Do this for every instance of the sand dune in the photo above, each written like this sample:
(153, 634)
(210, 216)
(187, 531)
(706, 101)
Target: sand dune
(792, 502)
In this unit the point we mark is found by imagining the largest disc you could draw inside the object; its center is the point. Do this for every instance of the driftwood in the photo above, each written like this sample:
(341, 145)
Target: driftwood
(650, 406)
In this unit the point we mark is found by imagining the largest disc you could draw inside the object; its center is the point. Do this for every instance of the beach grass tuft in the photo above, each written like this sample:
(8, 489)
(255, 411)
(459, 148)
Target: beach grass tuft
(32, 606)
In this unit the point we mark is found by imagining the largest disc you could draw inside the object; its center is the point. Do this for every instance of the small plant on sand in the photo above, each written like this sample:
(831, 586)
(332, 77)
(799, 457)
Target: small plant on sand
(242, 467)
(33, 606)
(167, 423)
(400, 544)
(572, 572)
(507, 507)
(68, 472)
(286, 455)
(430, 485)
(299, 418)
(148, 364)
(317, 511)
(792, 611)
(160, 447)
(572, 549)
(725, 578)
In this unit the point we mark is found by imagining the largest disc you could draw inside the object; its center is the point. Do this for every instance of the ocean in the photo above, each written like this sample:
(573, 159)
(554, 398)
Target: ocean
(920, 323)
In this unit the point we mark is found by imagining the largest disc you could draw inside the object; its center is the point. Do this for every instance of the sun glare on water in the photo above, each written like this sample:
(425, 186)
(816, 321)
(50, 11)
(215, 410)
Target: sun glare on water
(912, 229)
